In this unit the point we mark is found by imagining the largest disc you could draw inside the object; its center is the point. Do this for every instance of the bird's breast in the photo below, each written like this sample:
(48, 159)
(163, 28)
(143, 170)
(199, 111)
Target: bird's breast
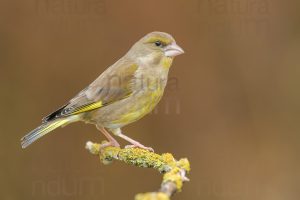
(137, 106)
(147, 89)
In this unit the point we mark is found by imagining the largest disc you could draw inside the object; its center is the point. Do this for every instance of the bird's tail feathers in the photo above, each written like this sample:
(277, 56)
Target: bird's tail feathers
(44, 129)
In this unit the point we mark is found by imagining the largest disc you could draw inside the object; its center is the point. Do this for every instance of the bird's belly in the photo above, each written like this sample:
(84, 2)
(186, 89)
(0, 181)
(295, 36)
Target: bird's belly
(128, 110)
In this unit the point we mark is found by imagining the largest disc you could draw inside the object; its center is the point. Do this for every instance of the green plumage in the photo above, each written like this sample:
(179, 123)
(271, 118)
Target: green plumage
(123, 93)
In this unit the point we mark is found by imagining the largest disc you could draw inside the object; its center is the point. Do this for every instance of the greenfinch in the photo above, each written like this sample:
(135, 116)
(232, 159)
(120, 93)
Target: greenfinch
(124, 93)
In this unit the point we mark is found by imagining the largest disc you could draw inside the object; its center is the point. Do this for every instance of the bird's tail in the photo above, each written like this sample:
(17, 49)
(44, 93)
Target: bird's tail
(44, 129)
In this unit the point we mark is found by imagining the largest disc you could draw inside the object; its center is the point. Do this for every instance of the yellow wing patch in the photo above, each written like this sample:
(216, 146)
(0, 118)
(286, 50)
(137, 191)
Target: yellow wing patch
(87, 107)
(90, 107)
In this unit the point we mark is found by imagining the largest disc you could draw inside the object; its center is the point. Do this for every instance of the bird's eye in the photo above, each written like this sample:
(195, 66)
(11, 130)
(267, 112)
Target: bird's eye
(158, 43)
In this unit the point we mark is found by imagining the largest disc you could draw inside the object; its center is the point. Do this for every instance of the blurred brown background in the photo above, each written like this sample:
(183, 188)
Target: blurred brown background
(232, 106)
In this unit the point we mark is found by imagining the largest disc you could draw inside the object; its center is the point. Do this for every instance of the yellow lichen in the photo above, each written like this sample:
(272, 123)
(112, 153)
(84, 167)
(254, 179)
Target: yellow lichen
(110, 153)
(93, 147)
(175, 177)
(168, 158)
(173, 170)
(152, 196)
(184, 164)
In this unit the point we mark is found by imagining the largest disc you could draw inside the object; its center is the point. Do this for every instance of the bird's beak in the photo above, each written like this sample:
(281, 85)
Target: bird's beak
(173, 50)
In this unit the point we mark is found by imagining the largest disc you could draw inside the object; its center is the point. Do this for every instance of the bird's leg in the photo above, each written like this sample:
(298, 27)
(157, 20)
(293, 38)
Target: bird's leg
(134, 143)
(111, 140)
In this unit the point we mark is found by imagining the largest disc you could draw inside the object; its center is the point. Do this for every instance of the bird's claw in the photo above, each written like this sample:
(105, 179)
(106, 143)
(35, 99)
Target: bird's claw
(108, 144)
(139, 146)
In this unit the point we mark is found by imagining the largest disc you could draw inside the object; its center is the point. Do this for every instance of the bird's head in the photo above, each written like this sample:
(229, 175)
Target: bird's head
(158, 44)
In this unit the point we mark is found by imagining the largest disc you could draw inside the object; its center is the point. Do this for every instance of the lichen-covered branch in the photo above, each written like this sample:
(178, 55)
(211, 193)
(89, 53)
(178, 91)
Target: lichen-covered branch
(174, 171)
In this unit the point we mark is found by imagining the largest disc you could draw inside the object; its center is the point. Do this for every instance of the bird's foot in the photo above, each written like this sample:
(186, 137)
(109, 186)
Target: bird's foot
(109, 144)
(138, 145)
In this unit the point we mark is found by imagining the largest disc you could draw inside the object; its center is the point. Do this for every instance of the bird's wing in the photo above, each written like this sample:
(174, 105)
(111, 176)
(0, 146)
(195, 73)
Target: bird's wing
(112, 85)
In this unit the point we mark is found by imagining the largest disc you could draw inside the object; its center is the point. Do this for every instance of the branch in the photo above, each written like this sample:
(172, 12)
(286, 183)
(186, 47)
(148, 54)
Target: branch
(174, 172)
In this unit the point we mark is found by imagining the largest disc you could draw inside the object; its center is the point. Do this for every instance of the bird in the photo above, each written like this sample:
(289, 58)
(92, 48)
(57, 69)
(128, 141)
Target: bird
(124, 93)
